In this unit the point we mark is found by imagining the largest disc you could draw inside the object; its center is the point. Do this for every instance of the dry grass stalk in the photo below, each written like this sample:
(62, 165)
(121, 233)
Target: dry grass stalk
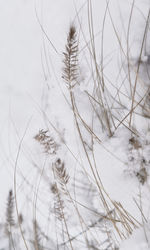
(61, 174)
(9, 213)
(37, 236)
(70, 70)
(59, 206)
(61, 178)
(48, 143)
(127, 221)
(59, 186)
(10, 223)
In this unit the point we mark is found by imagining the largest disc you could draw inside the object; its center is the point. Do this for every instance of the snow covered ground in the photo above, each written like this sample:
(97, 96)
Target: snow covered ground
(76, 158)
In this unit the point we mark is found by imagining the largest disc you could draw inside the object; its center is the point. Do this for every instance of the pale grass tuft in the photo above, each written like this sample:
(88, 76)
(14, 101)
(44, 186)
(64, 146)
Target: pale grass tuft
(70, 70)
(47, 141)
(10, 212)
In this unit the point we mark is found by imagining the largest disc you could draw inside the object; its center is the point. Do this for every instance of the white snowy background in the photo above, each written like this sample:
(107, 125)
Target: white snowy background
(33, 97)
